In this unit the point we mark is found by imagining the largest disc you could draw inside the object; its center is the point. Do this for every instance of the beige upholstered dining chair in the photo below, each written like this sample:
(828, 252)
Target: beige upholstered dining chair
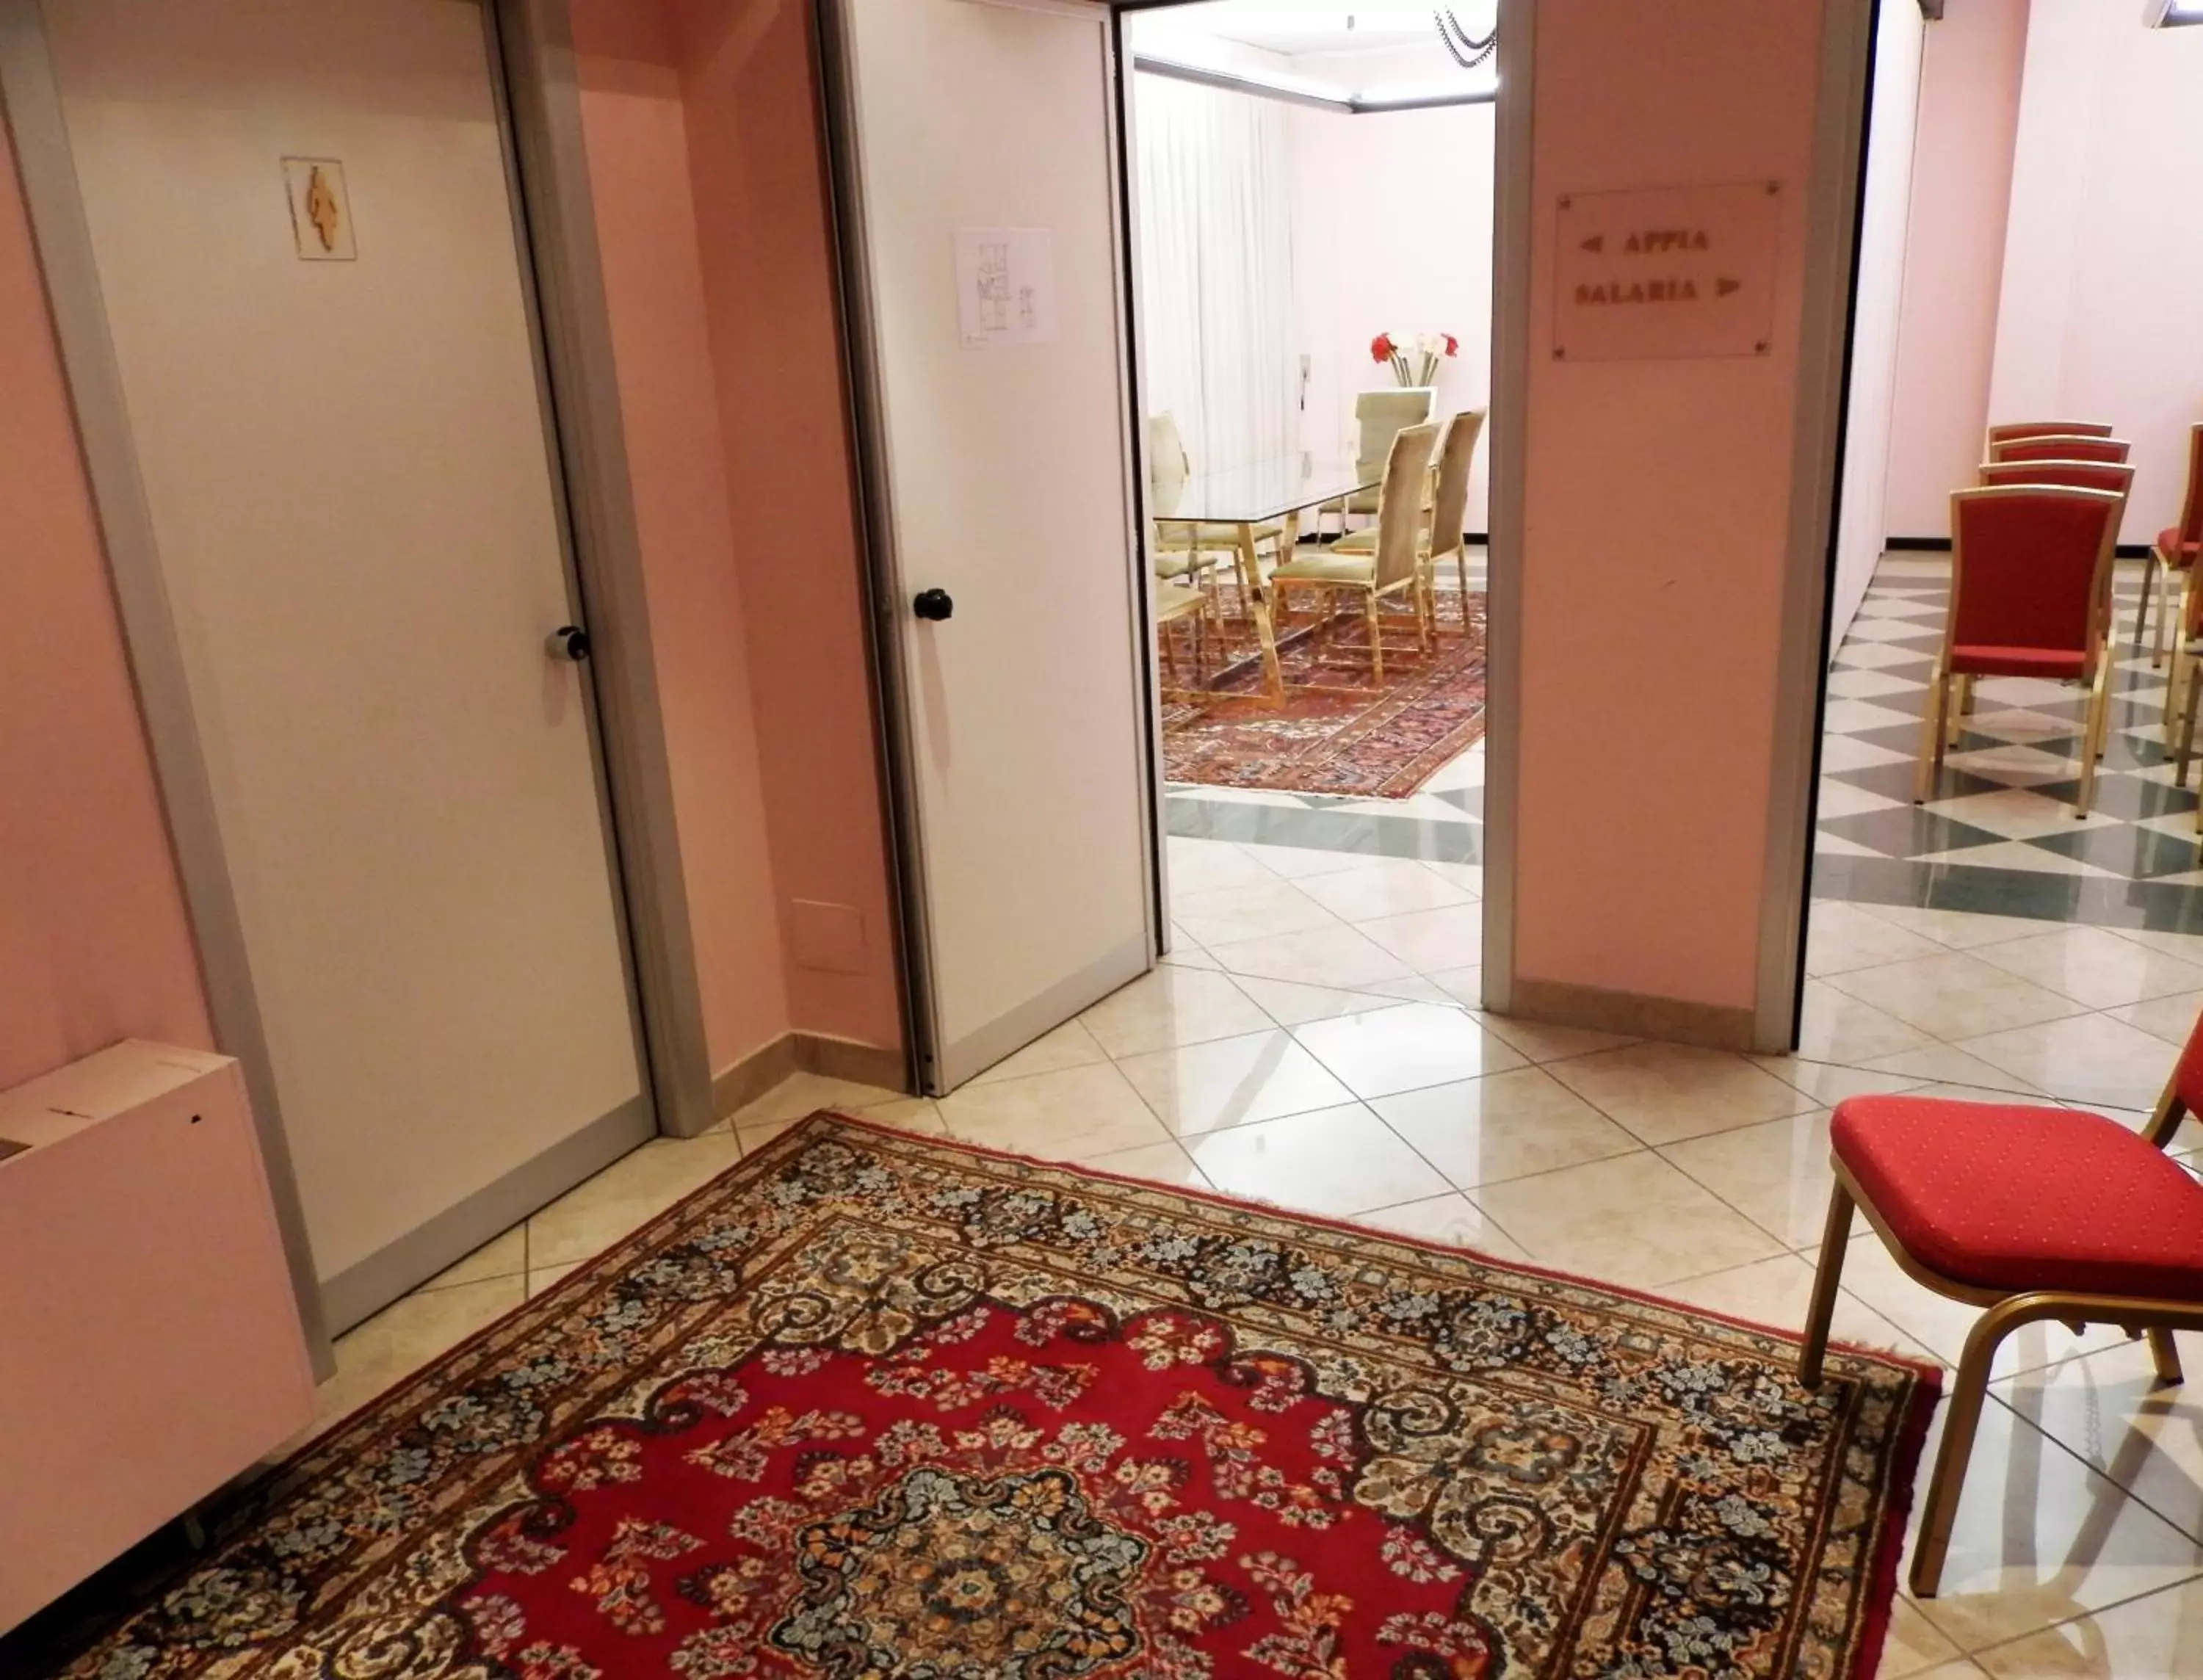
(1379, 416)
(1188, 548)
(1393, 570)
(1183, 602)
(1443, 536)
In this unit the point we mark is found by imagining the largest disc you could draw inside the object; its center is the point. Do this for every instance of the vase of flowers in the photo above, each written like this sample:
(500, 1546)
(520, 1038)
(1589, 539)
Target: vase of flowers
(1414, 357)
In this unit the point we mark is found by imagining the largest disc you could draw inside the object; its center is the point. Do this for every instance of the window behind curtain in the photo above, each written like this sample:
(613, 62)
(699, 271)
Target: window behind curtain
(1216, 269)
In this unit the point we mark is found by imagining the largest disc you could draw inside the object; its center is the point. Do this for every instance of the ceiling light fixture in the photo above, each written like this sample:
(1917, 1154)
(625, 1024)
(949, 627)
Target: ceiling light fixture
(2172, 14)
(1306, 90)
(1468, 51)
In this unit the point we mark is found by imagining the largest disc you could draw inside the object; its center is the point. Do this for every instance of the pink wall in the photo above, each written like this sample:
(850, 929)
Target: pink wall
(94, 945)
(760, 202)
(1428, 174)
(638, 149)
(2102, 260)
(1961, 190)
(1657, 502)
(1863, 504)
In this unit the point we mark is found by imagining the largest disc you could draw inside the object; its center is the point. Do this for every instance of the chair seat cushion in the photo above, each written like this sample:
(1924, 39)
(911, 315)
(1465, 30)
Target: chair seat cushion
(2043, 662)
(1176, 600)
(1363, 541)
(1329, 566)
(1182, 533)
(2014, 1198)
(2175, 553)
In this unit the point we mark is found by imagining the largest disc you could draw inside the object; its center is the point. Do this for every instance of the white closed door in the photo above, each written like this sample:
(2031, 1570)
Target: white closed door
(301, 220)
(980, 198)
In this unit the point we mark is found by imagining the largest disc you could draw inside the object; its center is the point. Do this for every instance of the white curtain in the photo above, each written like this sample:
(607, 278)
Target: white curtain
(1216, 269)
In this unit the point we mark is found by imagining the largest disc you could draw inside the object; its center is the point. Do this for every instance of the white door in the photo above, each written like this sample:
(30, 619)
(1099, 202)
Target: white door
(300, 215)
(981, 178)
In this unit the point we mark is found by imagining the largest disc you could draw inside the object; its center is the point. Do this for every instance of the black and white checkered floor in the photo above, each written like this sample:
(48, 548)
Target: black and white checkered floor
(1999, 835)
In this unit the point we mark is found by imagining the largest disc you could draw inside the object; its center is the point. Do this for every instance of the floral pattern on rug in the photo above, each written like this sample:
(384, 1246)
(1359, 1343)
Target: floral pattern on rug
(872, 1405)
(1383, 744)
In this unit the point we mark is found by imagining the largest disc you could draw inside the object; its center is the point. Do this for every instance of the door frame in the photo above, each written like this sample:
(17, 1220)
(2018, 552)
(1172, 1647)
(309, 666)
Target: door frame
(1835, 192)
(1506, 427)
(534, 79)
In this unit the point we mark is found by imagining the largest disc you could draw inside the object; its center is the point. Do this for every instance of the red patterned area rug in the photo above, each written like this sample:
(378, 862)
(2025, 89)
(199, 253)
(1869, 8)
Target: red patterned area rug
(1385, 744)
(874, 1405)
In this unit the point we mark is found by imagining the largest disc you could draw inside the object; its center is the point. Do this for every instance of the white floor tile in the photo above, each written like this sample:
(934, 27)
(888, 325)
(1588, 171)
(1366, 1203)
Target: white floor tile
(1337, 957)
(1633, 1220)
(1201, 1088)
(1662, 1092)
(1506, 1125)
(1340, 1163)
(1405, 1048)
(1953, 996)
(1166, 1008)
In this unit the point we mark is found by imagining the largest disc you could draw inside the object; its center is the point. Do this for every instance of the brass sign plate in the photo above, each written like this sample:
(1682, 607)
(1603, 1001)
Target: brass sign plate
(320, 209)
(1667, 274)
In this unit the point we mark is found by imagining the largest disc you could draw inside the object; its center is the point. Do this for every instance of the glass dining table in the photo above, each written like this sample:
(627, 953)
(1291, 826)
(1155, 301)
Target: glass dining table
(1188, 512)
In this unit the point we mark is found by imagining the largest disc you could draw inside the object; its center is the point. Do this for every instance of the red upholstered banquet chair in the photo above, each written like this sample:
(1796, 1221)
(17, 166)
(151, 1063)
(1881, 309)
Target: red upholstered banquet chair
(2174, 553)
(2015, 430)
(2115, 476)
(2033, 1213)
(2030, 583)
(2062, 449)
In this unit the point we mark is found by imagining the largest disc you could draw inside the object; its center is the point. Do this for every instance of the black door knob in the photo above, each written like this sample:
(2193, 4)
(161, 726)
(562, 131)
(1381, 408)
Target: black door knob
(933, 604)
(567, 641)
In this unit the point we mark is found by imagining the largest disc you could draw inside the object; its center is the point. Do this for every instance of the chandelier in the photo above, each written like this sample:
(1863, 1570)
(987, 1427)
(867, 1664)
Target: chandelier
(1468, 51)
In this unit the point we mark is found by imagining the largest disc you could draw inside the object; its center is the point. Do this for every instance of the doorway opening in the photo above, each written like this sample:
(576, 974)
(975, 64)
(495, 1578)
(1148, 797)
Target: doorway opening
(2001, 920)
(1311, 204)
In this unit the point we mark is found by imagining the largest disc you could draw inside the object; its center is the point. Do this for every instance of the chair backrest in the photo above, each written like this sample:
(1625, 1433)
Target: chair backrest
(1457, 454)
(2191, 511)
(1167, 455)
(1400, 502)
(1380, 415)
(2115, 476)
(2028, 566)
(2017, 430)
(2061, 448)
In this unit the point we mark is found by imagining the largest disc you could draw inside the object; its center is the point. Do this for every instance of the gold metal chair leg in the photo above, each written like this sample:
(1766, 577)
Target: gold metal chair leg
(1836, 1238)
(2092, 737)
(1266, 637)
(2141, 612)
(2171, 595)
(1376, 641)
(2185, 747)
(1941, 1512)
(2176, 682)
(1960, 703)
(1931, 735)
(2164, 1354)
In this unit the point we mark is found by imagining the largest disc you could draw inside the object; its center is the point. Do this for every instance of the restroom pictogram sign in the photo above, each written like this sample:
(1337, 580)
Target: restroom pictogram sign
(1666, 273)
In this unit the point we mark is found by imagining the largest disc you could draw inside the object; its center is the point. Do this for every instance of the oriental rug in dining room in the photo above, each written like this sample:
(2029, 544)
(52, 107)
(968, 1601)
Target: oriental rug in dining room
(878, 1405)
(1382, 744)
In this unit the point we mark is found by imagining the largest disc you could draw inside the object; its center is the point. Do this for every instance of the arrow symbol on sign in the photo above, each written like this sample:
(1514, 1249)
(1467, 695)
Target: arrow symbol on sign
(1724, 288)
(1595, 244)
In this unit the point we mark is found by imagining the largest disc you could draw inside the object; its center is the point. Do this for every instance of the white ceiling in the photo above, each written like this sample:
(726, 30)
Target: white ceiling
(1284, 26)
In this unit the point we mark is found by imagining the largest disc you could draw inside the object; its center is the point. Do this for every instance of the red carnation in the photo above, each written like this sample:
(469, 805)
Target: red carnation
(1380, 348)
(1452, 344)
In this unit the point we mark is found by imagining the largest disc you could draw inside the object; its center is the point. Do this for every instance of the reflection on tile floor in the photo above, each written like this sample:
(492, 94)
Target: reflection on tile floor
(1313, 1042)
